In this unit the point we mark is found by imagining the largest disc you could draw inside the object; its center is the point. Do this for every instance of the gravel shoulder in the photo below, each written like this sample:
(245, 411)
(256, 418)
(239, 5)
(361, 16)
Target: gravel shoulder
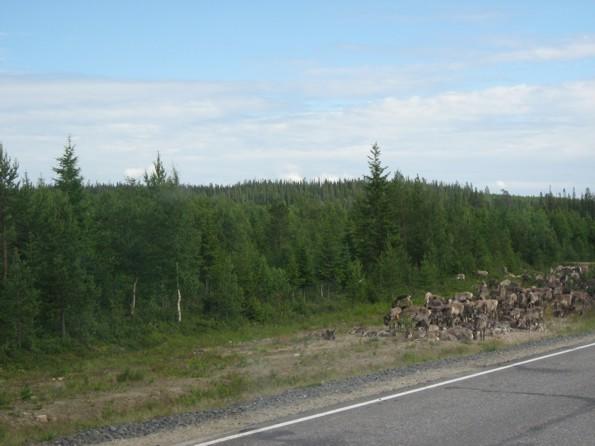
(188, 428)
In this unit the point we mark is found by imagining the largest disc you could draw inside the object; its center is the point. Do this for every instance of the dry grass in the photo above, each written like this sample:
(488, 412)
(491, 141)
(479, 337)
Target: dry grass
(194, 374)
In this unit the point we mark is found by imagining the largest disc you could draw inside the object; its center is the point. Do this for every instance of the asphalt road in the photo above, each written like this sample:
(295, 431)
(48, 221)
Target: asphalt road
(547, 402)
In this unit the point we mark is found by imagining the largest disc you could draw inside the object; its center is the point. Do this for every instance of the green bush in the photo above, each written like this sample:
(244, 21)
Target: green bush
(26, 393)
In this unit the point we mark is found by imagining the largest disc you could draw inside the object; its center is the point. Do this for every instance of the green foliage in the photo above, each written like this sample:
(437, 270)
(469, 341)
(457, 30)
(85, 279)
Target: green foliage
(69, 178)
(224, 300)
(391, 276)
(58, 251)
(257, 311)
(355, 281)
(373, 223)
(8, 188)
(19, 300)
(158, 175)
(26, 393)
(253, 253)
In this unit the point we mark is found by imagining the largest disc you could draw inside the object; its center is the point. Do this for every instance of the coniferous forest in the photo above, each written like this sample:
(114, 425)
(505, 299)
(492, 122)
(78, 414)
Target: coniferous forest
(118, 263)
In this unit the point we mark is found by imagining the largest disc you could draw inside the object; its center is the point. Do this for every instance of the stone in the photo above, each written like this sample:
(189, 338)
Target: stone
(461, 333)
(433, 332)
(42, 418)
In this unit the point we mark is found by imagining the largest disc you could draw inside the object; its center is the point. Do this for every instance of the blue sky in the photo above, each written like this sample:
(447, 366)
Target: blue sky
(500, 94)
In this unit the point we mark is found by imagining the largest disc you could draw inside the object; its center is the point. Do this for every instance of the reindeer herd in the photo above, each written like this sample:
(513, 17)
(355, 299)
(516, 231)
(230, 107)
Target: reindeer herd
(472, 315)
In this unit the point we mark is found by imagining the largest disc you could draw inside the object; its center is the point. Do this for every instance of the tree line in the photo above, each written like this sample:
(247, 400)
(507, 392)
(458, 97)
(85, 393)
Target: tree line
(119, 262)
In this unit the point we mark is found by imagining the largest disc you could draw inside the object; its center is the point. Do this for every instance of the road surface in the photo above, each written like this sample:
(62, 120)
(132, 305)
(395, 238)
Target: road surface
(549, 401)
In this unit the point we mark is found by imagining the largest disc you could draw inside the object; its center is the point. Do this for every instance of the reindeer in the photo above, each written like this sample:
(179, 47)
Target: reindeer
(456, 311)
(480, 326)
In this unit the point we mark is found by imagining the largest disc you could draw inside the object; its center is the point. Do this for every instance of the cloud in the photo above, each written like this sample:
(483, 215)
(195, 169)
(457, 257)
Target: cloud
(134, 172)
(578, 49)
(293, 177)
(363, 82)
(522, 135)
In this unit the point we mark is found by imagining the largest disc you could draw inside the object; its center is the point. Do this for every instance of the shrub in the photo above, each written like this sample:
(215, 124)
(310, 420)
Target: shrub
(26, 393)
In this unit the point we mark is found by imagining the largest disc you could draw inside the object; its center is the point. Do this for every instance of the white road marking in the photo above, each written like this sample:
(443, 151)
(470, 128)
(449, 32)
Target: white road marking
(388, 397)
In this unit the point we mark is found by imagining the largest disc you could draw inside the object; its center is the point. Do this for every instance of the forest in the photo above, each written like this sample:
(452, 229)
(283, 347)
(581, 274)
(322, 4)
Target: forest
(121, 263)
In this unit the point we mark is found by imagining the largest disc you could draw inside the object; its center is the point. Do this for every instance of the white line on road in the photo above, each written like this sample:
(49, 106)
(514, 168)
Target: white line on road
(388, 397)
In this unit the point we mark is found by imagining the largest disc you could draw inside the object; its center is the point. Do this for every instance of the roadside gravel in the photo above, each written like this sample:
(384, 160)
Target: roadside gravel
(186, 428)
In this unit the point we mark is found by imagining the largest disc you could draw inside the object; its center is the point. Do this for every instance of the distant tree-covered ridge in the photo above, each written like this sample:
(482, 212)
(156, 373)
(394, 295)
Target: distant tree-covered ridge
(111, 262)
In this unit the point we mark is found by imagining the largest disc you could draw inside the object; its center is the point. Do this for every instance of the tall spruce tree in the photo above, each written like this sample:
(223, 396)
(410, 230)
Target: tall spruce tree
(372, 223)
(62, 253)
(69, 179)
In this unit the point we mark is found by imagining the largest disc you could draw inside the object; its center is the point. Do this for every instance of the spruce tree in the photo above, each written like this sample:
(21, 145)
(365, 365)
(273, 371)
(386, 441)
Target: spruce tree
(372, 224)
(8, 188)
(159, 176)
(69, 179)
(57, 247)
(19, 300)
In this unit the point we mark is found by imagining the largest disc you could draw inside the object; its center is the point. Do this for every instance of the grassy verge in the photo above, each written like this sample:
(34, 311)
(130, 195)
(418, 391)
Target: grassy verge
(216, 368)
(206, 367)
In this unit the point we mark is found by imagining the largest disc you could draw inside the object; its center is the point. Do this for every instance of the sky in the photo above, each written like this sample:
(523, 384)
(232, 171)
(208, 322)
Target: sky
(497, 94)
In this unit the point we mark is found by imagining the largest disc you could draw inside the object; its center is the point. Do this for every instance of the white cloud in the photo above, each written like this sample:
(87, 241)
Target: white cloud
(578, 49)
(290, 172)
(294, 177)
(224, 133)
(365, 81)
(134, 172)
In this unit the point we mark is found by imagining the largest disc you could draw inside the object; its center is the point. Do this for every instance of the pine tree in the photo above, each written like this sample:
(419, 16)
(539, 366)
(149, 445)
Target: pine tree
(373, 225)
(69, 178)
(8, 188)
(392, 273)
(225, 300)
(57, 252)
(279, 234)
(19, 303)
(159, 176)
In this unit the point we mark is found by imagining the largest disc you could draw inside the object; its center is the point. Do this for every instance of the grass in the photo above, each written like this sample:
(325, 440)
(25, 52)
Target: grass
(436, 351)
(213, 369)
(34, 381)
(579, 324)
(233, 385)
(130, 376)
(491, 345)
(26, 393)
(5, 399)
